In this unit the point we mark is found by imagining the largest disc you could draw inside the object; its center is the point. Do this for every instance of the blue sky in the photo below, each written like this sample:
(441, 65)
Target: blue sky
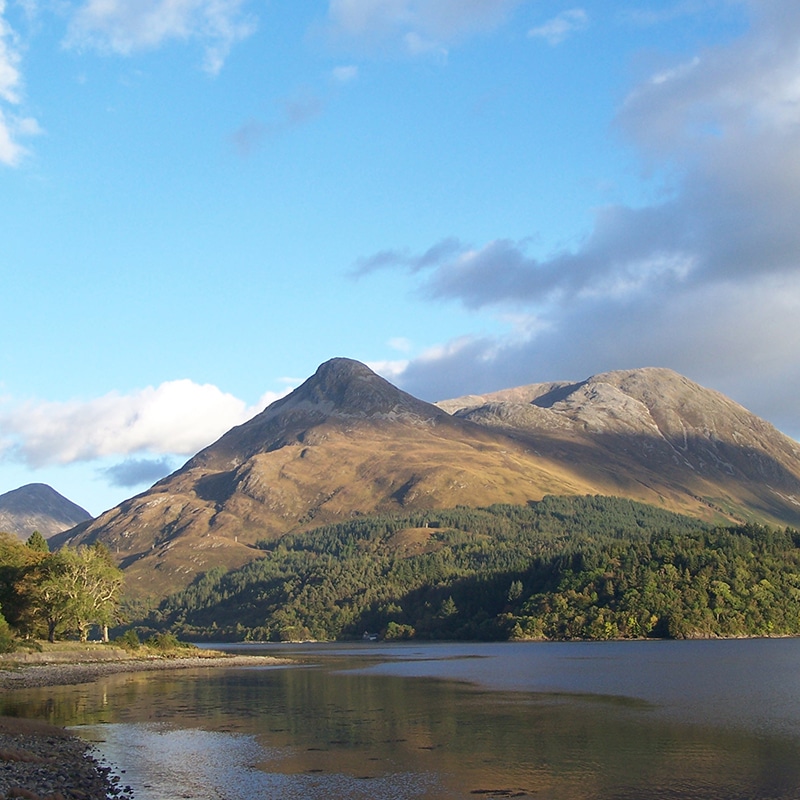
(202, 200)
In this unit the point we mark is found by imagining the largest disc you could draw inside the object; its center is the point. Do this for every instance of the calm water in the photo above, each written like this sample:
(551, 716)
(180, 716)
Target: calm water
(599, 721)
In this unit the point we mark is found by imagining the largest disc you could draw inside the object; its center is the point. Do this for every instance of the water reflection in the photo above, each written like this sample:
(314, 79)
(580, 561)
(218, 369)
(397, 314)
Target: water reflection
(359, 726)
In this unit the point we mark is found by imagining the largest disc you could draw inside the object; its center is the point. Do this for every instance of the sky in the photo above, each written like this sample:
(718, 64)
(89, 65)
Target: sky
(203, 200)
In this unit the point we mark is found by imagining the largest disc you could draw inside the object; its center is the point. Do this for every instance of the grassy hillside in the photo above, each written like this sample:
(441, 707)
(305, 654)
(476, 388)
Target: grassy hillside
(562, 568)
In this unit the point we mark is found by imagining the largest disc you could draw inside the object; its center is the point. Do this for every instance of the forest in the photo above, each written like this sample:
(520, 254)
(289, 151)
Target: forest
(64, 594)
(557, 569)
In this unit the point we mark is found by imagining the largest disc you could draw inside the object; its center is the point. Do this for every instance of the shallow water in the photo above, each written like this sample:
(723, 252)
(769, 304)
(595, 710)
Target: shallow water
(580, 720)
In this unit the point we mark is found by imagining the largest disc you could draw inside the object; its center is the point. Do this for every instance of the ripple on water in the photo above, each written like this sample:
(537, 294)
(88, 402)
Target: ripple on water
(164, 763)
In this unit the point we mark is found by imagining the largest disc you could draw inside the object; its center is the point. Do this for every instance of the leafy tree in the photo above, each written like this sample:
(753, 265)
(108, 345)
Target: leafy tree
(71, 589)
(16, 561)
(101, 583)
(47, 601)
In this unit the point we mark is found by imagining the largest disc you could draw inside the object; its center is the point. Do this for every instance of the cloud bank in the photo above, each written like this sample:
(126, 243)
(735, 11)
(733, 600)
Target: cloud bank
(176, 418)
(705, 280)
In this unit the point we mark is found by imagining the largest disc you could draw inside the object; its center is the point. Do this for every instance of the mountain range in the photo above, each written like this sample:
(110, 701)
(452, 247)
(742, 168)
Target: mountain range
(38, 507)
(348, 443)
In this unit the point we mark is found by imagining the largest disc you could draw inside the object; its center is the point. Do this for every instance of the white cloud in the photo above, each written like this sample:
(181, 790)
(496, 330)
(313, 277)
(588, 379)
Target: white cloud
(126, 26)
(13, 126)
(390, 370)
(559, 28)
(177, 417)
(9, 60)
(415, 26)
(10, 150)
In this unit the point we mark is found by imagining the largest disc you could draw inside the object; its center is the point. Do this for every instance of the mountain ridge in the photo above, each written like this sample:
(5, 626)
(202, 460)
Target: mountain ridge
(347, 443)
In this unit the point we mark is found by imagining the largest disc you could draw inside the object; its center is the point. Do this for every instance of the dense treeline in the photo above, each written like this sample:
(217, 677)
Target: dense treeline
(562, 568)
(55, 595)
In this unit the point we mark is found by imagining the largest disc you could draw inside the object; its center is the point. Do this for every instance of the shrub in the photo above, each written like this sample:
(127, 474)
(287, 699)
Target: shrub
(396, 631)
(166, 642)
(129, 640)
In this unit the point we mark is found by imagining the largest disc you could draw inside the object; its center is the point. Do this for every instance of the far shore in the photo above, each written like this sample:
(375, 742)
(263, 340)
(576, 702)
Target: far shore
(75, 663)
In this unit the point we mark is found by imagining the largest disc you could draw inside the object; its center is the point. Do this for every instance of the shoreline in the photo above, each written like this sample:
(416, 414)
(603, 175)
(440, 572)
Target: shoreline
(40, 761)
(64, 673)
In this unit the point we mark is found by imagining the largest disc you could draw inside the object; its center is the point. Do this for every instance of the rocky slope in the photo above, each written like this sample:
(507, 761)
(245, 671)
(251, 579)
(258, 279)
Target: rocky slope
(38, 507)
(347, 442)
(661, 429)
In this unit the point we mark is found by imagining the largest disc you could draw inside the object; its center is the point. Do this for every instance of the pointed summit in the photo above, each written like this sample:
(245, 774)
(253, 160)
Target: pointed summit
(347, 388)
(38, 507)
(342, 391)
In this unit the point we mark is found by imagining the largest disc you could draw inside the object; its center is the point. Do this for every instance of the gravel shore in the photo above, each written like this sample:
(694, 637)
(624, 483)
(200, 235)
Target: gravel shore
(43, 762)
(61, 674)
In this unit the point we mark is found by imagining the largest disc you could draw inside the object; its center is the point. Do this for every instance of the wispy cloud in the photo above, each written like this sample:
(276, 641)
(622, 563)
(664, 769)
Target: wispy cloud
(647, 15)
(706, 279)
(126, 26)
(413, 26)
(293, 112)
(177, 417)
(9, 60)
(344, 74)
(389, 259)
(556, 30)
(13, 126)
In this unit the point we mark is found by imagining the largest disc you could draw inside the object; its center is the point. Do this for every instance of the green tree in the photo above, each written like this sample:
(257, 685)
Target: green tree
(7, 642)
(94, 584)
(514, 591)
(47, 604)
(16, 561)
(38, 543)
(71, 590)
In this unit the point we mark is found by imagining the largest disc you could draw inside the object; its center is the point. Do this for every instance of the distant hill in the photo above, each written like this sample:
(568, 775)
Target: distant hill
(38, 507)
(348, 443)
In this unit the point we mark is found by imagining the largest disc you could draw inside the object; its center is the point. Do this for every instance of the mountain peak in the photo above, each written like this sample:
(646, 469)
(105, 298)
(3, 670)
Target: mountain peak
(343, 387)
(340, 391)
(37, 506)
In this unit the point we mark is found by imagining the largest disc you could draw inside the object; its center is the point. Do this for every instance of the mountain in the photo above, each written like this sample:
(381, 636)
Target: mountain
(348, 443)
(655, 428)
(38, 507)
